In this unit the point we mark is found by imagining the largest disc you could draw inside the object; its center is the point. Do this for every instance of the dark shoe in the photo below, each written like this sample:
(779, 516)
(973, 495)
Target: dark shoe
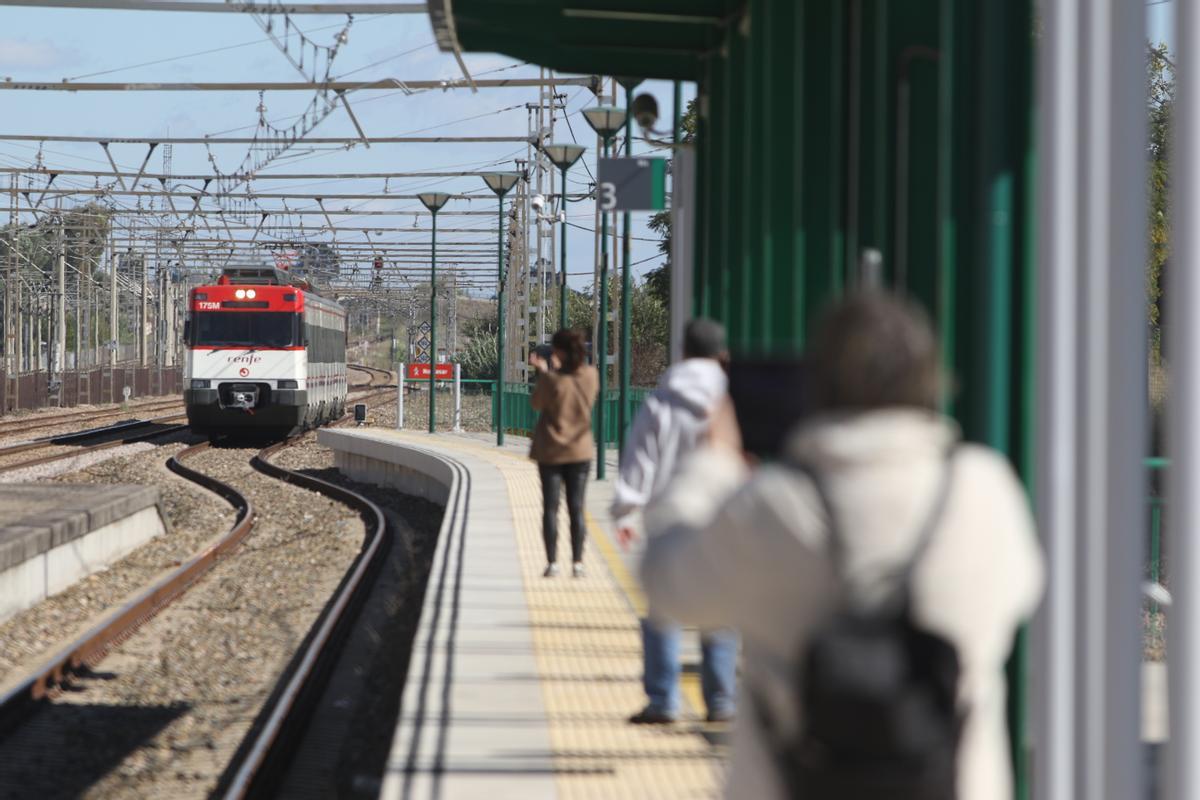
(651, 716)
(719, 716)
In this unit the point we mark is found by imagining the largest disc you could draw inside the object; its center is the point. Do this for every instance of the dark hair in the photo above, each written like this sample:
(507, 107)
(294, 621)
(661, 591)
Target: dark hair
(570, 344)
(703, 338)
(874, 350)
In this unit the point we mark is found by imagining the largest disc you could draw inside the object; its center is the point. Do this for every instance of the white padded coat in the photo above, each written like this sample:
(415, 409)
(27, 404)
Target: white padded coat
(727, 549)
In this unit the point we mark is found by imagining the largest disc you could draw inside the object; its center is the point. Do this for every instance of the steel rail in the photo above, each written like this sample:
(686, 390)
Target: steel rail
(47, 459)
(73, 436)
(264, 754)
(65, 419)
(87, 651)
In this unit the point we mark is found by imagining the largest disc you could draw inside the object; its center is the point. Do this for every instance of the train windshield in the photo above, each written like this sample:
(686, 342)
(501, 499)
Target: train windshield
(245, 329)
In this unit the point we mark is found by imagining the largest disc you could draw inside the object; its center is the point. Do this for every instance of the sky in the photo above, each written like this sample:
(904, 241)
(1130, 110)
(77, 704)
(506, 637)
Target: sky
(1160, 21)
(42, 44)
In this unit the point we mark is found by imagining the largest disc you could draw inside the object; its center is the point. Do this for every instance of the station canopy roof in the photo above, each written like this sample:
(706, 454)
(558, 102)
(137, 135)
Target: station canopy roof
(636, 38)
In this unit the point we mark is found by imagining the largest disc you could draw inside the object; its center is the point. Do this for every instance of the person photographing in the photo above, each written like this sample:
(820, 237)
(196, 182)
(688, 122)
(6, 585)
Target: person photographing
(562, 445)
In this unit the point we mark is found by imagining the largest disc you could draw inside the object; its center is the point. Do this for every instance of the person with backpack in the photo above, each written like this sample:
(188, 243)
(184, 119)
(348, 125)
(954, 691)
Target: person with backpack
(671, 423)
(877, 571)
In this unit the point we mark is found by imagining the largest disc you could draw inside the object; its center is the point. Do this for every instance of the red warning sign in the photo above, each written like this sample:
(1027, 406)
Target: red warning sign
(416, 372)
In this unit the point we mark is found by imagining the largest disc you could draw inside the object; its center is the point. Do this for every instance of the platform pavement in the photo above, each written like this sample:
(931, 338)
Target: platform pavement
(523, 687)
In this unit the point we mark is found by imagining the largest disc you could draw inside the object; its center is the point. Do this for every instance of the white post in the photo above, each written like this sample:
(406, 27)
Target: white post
(400, 396)
(682, 222)
(1053, 677)
(1111, 404)
(1183, 335)
(458, 398)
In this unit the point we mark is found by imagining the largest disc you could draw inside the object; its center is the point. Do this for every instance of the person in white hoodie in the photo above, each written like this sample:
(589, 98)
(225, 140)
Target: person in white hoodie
(752, 549)
(672, 422)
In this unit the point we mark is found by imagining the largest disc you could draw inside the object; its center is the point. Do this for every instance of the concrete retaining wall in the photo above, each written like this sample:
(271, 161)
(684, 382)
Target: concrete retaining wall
(375, 458)
(46, 552)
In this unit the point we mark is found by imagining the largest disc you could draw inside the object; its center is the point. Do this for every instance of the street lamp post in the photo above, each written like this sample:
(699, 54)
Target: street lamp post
(563, 156)
(626, 362)
(434, 202)
(500, 183)
(606, 121)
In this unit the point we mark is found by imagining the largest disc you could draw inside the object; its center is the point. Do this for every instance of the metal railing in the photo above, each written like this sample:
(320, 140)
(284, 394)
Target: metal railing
(520, 418)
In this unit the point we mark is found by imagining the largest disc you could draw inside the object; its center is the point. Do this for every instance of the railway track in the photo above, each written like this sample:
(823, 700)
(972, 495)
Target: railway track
(129, 432)
(263, 754)
(167, 425)
(22, 426)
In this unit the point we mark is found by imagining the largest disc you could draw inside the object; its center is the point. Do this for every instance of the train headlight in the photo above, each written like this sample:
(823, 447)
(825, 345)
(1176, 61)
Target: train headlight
(200, 383)
(240, 294)
(250, 293)
(288, 384)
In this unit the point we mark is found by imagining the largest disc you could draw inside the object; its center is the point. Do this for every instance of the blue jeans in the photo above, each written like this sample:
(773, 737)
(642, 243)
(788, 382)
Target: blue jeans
(718, 669)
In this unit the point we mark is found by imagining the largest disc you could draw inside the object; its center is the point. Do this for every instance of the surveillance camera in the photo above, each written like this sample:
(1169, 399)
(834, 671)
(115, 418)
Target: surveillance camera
(538, 202)
(645, 110)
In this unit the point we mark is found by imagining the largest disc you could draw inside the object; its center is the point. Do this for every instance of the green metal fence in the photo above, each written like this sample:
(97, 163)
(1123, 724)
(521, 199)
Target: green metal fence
(520, 418)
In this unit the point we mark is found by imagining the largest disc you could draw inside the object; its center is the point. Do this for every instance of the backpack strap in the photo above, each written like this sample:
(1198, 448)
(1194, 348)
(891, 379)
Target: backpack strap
(837, 542)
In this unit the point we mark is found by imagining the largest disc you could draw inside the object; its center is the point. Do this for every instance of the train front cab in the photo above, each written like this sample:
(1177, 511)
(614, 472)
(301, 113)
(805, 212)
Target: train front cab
(268, 360)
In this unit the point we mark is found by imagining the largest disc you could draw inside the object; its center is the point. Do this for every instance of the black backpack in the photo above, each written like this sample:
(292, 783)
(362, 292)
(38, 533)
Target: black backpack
(879, 698)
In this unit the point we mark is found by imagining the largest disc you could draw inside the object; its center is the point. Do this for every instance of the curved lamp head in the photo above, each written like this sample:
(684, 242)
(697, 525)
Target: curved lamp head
(434, 200)
(605, 120)
(501, 182)
(563, 155)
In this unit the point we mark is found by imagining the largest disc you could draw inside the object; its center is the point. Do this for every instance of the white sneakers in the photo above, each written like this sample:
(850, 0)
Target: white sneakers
(552, 570)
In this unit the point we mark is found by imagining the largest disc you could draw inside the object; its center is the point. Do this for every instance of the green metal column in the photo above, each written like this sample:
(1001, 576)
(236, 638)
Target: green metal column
(433, 328)
(626, 289)
(823, 152)
(602, 337)
(733, 169)
(500, 323)
(563, 317)
(754, 306)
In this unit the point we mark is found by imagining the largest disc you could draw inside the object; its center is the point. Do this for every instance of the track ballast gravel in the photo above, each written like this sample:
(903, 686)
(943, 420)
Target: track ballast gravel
(170, 706)
(192, 516)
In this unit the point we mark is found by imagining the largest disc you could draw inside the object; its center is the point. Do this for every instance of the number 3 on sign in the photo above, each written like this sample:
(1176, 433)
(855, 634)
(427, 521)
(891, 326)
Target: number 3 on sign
(608, 196)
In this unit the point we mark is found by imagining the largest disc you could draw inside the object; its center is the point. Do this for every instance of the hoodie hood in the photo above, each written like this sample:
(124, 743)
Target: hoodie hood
(697, 384)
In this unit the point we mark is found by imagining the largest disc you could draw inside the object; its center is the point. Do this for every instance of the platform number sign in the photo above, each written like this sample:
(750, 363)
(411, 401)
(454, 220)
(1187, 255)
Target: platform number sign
(631, 184)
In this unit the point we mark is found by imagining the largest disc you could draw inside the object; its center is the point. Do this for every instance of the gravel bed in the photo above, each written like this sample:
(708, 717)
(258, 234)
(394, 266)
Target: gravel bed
(171, 705)
(66, 465)
(193, 517)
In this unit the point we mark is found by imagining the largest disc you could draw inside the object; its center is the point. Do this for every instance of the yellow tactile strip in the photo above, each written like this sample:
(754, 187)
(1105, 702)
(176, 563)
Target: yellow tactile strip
(587, 645)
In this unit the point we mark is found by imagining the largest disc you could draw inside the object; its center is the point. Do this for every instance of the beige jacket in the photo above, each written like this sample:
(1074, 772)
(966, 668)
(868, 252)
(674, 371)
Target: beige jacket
(752, 554)
(563, 434)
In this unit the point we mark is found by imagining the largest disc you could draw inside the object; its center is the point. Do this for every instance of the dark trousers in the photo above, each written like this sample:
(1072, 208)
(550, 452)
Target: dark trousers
(553, 476)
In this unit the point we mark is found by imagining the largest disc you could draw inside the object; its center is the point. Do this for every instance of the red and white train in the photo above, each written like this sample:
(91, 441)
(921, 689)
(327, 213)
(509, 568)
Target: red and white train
(265, 353)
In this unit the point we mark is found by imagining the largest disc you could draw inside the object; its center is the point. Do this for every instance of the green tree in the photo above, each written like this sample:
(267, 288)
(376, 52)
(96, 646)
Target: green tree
(1161, 106)
(478, 355)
